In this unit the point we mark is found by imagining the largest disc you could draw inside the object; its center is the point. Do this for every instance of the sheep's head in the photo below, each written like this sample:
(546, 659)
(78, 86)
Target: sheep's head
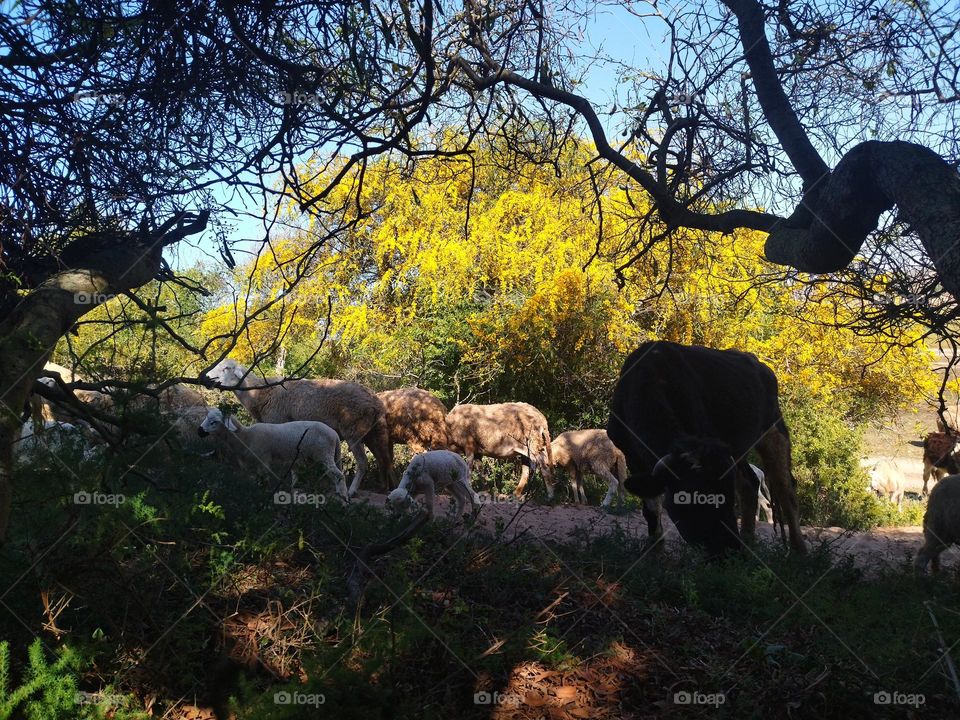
(228, 373)
(399, 498)
(215, 422)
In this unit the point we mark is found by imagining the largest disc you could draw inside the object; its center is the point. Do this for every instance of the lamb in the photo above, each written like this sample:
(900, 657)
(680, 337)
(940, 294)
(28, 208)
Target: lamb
(582, 451)
(415, 418)
(356, 414)
(278, 446)
(941, 523)
(763, 494)
(433, 470)
(888, 480)
(503, 431)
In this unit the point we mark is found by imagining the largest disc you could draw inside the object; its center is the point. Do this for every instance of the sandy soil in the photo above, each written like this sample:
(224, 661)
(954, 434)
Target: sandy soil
(872, 549)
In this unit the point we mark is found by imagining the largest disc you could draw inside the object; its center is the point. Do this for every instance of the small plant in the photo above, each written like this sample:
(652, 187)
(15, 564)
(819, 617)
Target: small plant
(50, 690)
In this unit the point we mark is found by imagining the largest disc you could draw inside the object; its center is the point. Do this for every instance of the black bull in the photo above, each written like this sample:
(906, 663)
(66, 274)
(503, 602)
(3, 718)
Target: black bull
(670, 397)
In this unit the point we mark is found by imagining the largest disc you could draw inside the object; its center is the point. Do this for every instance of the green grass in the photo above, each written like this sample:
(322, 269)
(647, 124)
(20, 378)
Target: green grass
(147, 584)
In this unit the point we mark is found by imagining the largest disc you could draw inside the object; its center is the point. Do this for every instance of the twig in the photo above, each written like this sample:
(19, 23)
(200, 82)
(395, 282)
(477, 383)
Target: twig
(944, 652)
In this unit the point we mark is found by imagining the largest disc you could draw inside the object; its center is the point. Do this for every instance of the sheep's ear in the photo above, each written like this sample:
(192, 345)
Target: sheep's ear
(230, 424)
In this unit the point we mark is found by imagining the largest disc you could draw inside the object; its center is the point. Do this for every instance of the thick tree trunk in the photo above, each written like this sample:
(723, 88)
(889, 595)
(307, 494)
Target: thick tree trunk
(31, 331)
(828, 228)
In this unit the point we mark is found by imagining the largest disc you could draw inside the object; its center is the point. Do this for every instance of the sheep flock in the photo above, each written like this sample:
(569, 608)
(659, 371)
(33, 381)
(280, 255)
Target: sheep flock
(301, 423)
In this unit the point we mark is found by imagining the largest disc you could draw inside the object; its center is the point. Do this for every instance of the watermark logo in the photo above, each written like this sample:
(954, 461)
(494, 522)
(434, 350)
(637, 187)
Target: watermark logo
(686, 96)
(914, 300)
(297, 98)
(684, 697)
(494, 498)
(898, 698)
(97, 498)
(698, 498)
(92, 97)
(98, 698)
(296, 497)
(91, 298)
(496, 698)
(285, 697)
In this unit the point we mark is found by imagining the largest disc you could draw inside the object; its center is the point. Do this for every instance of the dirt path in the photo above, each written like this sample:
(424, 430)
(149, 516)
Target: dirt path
(878, 547)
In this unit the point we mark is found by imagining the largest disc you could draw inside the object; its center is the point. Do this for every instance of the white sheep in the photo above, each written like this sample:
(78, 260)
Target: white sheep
(49, 435)
(888, 480)
(356, 414)
(582, 451)
(941, 522)
(763, 494)
(432, 471)
(279, 446)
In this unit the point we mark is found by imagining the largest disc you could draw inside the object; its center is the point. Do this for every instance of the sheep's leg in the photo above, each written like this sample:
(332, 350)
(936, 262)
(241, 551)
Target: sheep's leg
(774, 449)
(378, 440)
(546, 472)
(929, 553)
(429, 493)
(461, 498)
(526, 470)
(575, 479)
(764, 505)
(339, 482)
(749, 486)
(356, 447)
(463, 482)
(613, 486)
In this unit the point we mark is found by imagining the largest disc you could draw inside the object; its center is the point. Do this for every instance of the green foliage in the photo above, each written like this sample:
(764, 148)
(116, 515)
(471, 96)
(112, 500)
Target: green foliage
(831, 486)
(50, 689)
(495, 603)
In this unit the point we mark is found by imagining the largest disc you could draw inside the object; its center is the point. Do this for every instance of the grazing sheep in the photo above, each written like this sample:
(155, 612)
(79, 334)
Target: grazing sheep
(432, 471)
(888, 480)
(49, 435)
(180, 396)
(582, 451)
(939, 456)
(415, 418)
(503, 431)
(184, 423)
(941, 523)
(356, 414)
(278, 446)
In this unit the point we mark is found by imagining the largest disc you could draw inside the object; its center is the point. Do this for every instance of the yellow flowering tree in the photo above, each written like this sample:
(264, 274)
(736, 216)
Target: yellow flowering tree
(498, 284)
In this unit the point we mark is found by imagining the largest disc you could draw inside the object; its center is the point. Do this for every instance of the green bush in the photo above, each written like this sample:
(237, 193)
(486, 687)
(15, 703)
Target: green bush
(832, 488)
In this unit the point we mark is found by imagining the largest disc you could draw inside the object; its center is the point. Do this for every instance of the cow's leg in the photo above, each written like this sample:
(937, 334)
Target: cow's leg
(774, 449)
(927, 470)
(360, 454)
(748, 485)
(613, 486)
(652, 508)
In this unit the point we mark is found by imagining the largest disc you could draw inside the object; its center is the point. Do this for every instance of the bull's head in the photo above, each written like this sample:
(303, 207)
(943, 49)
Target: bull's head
(699, 475)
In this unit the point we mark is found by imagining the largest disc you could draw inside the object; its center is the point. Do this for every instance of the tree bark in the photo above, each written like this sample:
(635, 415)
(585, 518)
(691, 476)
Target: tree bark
(28, 336)
(827, 230)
